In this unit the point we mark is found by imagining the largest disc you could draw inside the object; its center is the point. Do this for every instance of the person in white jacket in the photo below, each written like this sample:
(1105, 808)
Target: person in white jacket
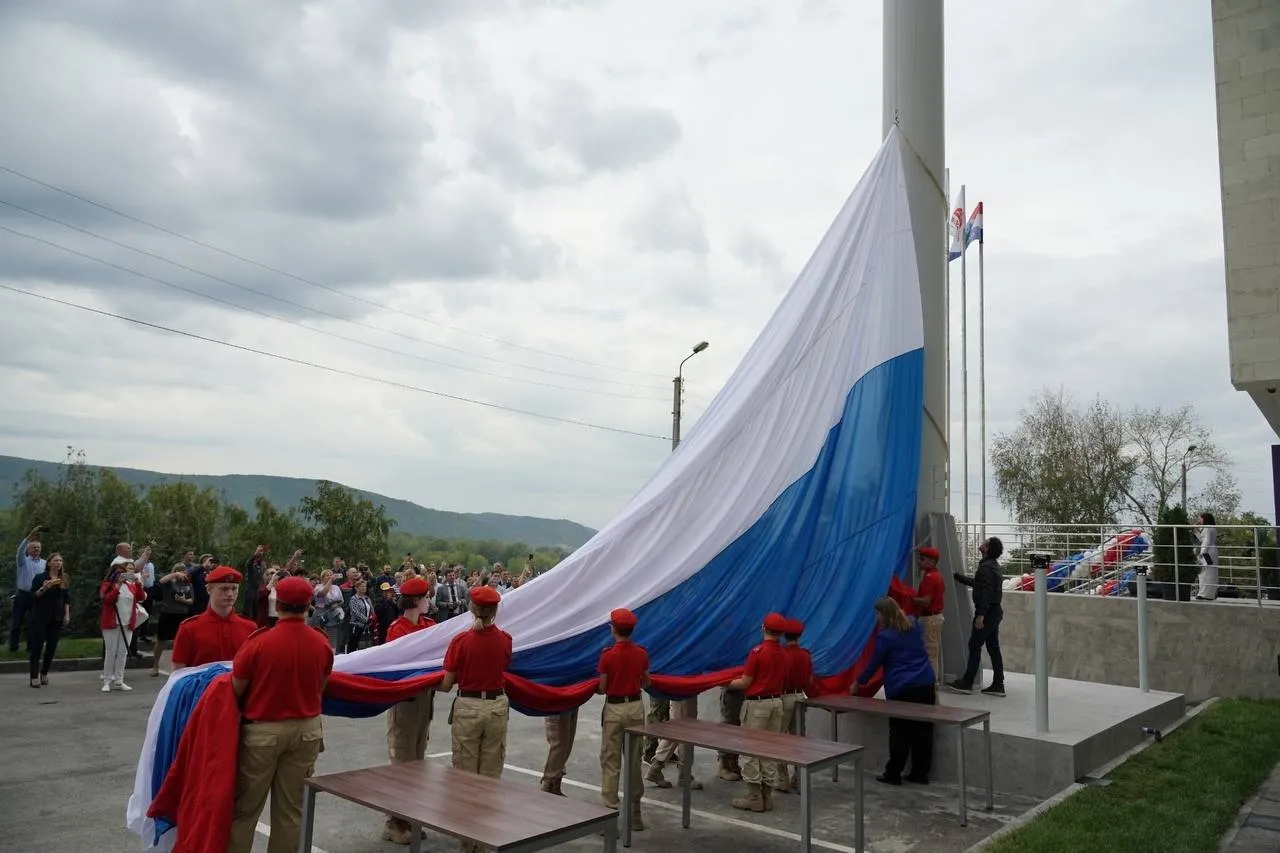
(1207, 557)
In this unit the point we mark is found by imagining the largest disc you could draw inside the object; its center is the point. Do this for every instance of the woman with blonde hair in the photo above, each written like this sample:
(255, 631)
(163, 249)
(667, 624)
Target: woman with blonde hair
(908, 677)
(50, 613)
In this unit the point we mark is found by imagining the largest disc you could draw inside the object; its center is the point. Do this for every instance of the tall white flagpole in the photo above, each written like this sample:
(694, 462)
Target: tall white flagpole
(946, 308)
(964, 368)
(982, 377)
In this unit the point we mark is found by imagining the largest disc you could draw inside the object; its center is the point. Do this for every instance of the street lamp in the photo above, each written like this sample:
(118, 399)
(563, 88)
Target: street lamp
(1190, 450)
(678, 393)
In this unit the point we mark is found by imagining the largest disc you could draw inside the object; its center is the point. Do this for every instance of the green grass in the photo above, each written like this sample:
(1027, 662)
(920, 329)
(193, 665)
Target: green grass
(68, 647)
(1178, 796)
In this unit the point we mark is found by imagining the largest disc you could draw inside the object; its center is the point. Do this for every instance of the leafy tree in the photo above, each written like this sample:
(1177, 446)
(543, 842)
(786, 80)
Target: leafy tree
(339, 524)
(1158, 441)
(1063, 464)
(1174, 557)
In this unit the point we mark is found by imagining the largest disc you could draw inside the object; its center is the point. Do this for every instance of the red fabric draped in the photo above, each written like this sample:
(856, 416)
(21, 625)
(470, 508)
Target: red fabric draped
(378, 691)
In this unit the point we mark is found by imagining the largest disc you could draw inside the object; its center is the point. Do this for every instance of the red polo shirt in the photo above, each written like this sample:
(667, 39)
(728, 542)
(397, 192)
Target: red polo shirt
(767, 665)
(403, 626)
(931, 585)
(625, 663)
(208, 638)
(479, 659)
(800, 672)
(286, 667)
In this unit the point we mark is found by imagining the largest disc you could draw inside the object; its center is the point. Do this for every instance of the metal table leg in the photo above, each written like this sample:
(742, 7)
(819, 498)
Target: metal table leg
(611, 837)
(835, 736)
(806, 817)
(308, 818)
(964, 810)
(991, 780)
(415, 842)
(628, 740)
(686, 783)
(858, 840)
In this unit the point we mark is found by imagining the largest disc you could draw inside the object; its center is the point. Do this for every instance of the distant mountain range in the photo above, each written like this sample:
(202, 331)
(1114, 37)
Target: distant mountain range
(287, 492)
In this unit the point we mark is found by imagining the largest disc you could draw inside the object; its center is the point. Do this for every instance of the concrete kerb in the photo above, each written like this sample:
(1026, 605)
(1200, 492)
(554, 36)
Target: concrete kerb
(11, 667)
(1069, 791)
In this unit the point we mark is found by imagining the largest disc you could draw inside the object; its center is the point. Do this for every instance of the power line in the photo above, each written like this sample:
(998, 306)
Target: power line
(300, 325)
(318, 311)
(312, 283)
(327, 368)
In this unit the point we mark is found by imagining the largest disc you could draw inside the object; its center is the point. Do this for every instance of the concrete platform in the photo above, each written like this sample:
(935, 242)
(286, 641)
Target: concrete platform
(1089, 725)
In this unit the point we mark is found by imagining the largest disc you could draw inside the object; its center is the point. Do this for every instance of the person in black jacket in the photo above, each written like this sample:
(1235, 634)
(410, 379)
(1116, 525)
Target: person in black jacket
(988, 589)
(50, 613)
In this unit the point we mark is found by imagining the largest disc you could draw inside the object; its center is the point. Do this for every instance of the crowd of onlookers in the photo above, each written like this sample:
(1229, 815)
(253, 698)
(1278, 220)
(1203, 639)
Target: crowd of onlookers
(353, 604)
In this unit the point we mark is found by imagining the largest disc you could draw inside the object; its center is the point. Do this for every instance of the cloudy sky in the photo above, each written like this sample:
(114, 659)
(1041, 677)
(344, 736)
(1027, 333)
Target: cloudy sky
(542, 205)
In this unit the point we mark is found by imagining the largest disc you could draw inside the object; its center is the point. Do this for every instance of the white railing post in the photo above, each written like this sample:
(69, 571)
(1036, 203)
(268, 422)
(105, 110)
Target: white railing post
(1042, 649)
(1144, 647)
(1257, 562)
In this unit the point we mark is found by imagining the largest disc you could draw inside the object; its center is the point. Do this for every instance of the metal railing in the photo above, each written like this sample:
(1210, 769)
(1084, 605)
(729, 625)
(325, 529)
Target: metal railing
(1103, 559)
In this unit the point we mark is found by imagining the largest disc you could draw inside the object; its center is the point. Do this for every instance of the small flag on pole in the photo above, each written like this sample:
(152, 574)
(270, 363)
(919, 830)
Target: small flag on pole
(973, 229)
(957, 228)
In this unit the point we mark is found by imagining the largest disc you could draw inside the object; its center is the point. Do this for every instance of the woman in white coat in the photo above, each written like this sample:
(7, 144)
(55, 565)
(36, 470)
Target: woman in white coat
(1207, 557)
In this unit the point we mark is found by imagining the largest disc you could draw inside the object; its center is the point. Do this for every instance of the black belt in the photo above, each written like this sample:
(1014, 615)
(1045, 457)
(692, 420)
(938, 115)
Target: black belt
(618, 700)
(765, 696)
(481, 694)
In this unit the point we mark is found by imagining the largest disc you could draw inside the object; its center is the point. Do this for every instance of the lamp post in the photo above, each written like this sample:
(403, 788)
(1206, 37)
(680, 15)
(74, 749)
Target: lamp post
(1190, 450)
(678, 392)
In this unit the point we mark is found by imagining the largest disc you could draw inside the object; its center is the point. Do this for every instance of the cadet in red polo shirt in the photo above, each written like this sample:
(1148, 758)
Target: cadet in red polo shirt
(217, 633)
(477, 661)
(929, 600)
(799, 682)
(764, 678)
(408, 722)
(278, 678)
(624, 673)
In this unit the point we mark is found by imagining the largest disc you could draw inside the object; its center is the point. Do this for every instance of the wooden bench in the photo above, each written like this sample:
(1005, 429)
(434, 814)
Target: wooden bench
(943, 715)
(806, 754)
(495, 814)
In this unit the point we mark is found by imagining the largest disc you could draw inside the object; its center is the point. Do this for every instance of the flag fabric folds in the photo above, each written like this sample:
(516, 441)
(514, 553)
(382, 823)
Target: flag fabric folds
(795, 492)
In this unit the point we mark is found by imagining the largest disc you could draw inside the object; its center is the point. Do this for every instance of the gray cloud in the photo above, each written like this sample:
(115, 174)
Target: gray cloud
(668, 222)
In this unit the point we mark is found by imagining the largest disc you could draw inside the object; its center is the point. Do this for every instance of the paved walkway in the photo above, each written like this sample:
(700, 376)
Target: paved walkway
(1257, 830)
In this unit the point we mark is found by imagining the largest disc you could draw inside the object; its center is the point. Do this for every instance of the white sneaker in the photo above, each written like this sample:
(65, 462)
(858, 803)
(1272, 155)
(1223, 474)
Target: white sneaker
(122, 686)
(106, 687)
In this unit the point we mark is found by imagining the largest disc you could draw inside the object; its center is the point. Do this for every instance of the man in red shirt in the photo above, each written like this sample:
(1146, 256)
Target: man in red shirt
(408, 722)
(929, 599)
(624, 672)
(799, 682)
(217, 633)
(278, 678)
(764, 678)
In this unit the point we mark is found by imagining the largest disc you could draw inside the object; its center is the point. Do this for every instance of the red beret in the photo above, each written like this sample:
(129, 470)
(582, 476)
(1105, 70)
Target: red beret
(414, 586)
(795, 626)
(293, 590)
(775, 623)
(485, 596)
(930, 551)
(225, 574)
(623, 618)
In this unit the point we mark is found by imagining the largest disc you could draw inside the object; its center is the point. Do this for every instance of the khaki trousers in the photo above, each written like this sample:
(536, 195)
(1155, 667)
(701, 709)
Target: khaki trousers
(274, 757)
(561, 730)
(480, 735)
(933, 642)
(613, 720)
(765, 715)
(409, 728)
(684, 709)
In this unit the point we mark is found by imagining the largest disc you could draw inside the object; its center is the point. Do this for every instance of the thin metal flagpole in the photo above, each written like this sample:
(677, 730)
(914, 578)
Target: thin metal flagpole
(982, 377)
(964, 368)
(946, 308)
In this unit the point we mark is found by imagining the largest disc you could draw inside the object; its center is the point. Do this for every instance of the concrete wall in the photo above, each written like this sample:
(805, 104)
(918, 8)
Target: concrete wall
(1246, 46)
(1198, 649)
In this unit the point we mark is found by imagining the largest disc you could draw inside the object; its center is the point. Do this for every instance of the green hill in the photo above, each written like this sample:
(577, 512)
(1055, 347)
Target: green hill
(286, 492)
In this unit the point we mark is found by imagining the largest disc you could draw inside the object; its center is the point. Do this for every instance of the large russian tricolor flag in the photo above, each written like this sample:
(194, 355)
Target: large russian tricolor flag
(794, 492)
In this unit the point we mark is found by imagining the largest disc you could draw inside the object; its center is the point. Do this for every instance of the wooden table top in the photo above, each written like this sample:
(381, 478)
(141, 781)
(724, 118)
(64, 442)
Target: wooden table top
(771, 746)
(462, 804)
(903, 710)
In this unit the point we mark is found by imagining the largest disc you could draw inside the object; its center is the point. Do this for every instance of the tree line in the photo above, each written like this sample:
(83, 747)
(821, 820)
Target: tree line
(89, 510)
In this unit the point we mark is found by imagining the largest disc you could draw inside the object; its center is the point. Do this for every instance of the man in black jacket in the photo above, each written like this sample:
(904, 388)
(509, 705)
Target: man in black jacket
(988, 589)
